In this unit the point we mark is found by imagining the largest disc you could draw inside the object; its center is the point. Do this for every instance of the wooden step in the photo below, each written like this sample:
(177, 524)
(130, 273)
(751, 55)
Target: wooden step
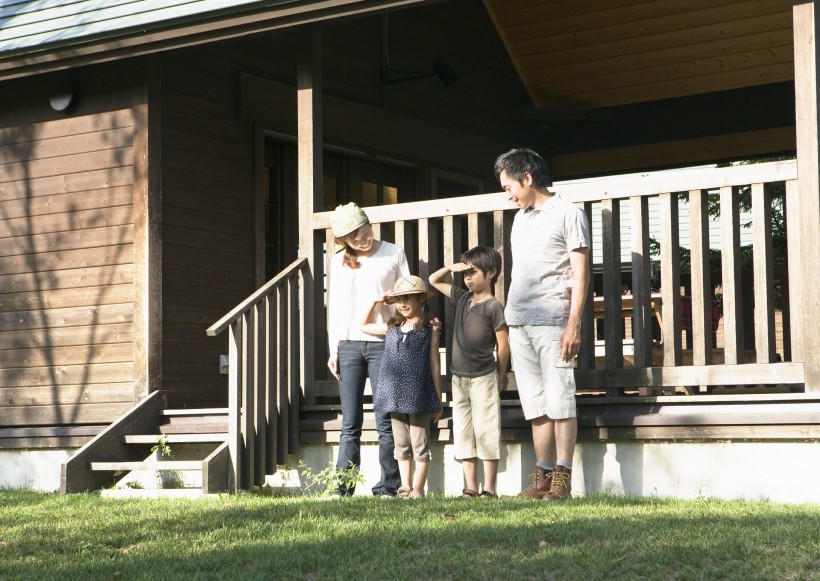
(146, 465)
(195, 412)
(191, 438)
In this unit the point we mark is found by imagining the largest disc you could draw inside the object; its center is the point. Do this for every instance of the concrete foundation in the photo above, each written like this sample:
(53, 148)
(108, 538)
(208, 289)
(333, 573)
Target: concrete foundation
(727, 470)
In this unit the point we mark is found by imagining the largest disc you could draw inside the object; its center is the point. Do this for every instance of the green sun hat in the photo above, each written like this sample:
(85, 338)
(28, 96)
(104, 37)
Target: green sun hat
(347, 219)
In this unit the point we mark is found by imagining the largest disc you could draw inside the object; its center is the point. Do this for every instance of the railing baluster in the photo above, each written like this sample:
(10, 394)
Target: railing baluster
(271, 349)
(763, 273)
(641, 284)
(282, 375)
(248, 444)
(730, 233)
(399, 233)
(613, 287)
(670, 280)
(586, 355)
(449, 258)
(235, 443)
(424, 248)
(294, 392)
(498, 243)
(259, 388)
(700, 272)
(377, 231)
(472, 230)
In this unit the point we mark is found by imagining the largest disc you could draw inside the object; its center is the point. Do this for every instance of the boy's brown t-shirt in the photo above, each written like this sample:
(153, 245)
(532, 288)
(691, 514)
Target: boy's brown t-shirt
(474, 334)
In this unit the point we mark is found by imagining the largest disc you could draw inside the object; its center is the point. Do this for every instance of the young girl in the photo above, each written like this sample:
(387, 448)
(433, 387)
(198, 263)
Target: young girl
(409, 379)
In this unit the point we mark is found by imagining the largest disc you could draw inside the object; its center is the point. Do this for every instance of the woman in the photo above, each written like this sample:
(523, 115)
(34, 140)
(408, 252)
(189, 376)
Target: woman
(365, 269)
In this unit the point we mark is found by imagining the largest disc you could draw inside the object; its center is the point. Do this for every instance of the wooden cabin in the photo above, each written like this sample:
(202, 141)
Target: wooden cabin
(167, 172)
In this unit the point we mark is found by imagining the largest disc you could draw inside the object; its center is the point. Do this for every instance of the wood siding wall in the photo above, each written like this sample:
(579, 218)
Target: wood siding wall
(66, 255)
(208, 260)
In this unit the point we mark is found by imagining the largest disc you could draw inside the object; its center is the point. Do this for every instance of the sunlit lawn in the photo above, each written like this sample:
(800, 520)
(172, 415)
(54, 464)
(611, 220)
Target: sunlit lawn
(48, 536)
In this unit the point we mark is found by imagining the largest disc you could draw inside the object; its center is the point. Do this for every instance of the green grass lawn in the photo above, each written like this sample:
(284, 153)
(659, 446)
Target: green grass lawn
(48, 536)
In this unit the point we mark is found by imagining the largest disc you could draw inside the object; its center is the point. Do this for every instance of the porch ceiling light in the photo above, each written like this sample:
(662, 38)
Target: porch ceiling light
(442, 69)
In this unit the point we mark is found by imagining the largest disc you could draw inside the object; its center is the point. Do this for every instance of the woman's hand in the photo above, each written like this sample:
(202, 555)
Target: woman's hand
(333, 365)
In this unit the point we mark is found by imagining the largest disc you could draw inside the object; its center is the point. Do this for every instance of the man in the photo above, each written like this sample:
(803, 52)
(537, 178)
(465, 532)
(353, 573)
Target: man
(549, 282)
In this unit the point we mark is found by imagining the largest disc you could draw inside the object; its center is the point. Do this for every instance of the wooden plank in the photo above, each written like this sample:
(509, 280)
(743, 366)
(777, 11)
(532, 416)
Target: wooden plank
(763, 268)
(700, 272)
(732, 291)
(472, 230)
(586, 354)
(215, 470)
(71, 317)
(55, 187)
(259, 388)
(234, 401)
(67, 279)
(42, 395)
(805, 206)
(613, 287)
(293, 380)
(641, 285)
(69, 259)
(58, 375)
(48, 356)
(743, 374)
(36, 217)
(273, 347)
(77, 125)
(114, 236)
(55, 337)
(67, 164)
(499, 242)
(66, 298)
(670, 279)
(424, 249)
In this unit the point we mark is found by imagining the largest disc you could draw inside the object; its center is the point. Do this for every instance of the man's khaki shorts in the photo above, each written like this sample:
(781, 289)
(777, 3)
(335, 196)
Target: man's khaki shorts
(546, 384)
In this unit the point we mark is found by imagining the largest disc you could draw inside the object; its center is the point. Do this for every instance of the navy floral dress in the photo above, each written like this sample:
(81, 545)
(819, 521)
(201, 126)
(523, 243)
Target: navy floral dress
(405, 381)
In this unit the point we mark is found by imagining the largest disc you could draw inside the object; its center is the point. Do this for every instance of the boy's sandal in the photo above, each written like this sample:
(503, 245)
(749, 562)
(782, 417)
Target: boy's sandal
(403, 492)
(413, 495)
(488, 494)
(469, 493)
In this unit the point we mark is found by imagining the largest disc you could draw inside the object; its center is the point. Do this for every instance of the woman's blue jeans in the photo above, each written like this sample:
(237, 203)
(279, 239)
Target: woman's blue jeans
(359, 360)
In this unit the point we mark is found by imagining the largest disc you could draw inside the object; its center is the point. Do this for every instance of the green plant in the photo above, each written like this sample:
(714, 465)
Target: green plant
(162, 446)
(167, 478)
(329, 480)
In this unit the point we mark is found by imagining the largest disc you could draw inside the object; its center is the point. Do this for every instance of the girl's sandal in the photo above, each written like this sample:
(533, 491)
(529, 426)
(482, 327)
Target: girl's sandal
(413, 495)
(469, 493)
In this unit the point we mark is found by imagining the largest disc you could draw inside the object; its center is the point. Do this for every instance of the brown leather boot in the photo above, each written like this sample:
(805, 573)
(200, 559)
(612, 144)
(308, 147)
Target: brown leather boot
(541, 482)
(561, 485)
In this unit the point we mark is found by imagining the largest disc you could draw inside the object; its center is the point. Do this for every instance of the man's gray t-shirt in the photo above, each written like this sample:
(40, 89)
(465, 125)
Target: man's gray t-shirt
(474, 334)
(541, 278)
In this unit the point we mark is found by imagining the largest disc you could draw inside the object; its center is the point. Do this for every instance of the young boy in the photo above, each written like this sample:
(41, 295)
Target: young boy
(478, 377)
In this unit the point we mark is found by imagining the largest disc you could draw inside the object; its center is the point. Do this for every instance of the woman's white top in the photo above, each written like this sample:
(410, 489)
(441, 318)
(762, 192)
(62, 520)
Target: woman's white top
(353, 291)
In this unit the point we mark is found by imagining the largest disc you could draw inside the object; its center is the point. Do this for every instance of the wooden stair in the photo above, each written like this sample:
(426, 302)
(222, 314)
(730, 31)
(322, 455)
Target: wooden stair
(127, 459)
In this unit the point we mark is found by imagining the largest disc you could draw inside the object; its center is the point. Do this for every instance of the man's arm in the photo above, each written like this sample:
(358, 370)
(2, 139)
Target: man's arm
(571, 337)
(502, 355)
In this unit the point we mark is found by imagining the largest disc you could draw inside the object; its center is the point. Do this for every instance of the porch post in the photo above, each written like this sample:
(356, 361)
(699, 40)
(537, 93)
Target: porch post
(309, 136)
(804, 223)
(147, 230)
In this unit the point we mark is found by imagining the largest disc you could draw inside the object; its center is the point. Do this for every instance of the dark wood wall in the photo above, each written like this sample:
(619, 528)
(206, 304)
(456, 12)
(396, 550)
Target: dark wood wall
(66, 255)
(207, 232)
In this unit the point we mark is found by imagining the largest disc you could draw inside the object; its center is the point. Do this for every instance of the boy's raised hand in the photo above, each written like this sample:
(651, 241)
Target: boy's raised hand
(459, 267)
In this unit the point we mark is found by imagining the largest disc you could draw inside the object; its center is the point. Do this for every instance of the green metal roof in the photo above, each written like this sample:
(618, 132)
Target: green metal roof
(28, 26)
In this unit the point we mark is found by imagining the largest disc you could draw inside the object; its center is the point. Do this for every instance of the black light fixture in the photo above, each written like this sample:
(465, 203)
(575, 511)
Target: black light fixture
(441, 69)
(62, 97)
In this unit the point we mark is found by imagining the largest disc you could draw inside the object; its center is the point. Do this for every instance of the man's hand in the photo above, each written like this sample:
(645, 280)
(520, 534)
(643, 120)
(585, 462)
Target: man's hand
(333, 365)
(570, 342)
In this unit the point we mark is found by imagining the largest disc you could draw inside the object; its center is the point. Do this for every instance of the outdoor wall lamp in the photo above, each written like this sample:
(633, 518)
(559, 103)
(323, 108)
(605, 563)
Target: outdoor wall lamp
(442, 69)
(62, 97)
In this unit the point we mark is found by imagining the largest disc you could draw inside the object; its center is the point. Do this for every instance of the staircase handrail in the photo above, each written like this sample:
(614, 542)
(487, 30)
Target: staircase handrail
(258, 295)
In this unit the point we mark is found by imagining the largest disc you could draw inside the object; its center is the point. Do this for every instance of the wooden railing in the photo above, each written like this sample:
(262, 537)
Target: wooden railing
(435, 233)
(264, 336)
(269, 373)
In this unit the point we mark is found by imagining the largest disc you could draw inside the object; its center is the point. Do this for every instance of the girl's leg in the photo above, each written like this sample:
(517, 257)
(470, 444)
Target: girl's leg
(420, 478)
(406, 471)
(420, 439)
(403, 450)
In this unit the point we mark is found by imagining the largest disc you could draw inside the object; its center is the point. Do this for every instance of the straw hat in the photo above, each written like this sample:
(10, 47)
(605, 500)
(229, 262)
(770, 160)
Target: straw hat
(408, 285)
(347, 219)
